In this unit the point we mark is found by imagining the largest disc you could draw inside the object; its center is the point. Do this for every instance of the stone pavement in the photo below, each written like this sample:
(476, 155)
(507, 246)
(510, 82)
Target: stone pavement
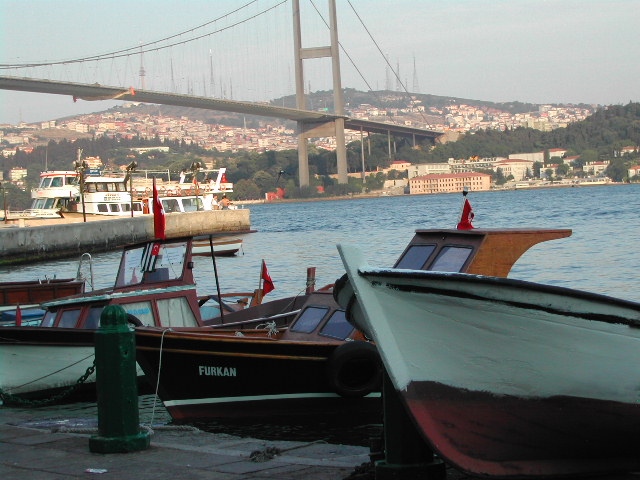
(42, 453)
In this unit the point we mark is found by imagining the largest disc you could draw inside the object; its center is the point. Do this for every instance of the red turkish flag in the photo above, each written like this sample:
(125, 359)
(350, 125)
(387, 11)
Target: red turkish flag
(159, 223)
(467, 217)
(267, 283)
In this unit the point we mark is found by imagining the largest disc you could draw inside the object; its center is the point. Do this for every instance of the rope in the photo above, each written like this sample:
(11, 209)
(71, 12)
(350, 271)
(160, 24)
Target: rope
(153, 410)
(146, 428)
(271, 327)
(269, 453)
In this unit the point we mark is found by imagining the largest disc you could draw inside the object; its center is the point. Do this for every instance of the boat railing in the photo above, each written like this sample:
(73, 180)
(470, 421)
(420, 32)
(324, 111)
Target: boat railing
(79, 273)
(256, 322)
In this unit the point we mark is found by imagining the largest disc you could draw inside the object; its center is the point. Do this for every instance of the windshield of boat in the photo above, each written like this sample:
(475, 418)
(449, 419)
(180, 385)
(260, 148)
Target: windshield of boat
(337, 326)
(152, 262)
(451, 258)
(416, 257)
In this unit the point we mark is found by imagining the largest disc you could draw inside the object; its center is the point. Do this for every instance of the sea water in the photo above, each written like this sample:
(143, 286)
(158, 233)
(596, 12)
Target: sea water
(600, 256)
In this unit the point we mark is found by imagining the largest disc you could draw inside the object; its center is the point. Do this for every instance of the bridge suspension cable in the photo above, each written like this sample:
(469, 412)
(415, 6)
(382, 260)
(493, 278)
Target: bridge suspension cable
(383, 55)
(141, 49)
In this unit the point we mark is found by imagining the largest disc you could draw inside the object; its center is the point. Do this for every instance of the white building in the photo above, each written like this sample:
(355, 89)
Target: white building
(595, 168)
(422, 169)
(519, 168)
(533, 156)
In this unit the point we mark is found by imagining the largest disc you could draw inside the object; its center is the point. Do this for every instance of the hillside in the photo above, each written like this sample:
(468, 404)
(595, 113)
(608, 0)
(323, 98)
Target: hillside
(605, 132)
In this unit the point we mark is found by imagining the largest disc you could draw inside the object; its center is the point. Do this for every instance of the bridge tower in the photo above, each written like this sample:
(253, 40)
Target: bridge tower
(308, 130)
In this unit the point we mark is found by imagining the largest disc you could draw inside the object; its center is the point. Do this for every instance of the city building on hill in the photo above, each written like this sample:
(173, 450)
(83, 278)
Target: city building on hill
(516, 167)
(472, 164)
(449, 183)
(17, 173)
(94, 163)
(595, 168)
(533, 156)
(557, 152)
(634, 171)
(421, 169)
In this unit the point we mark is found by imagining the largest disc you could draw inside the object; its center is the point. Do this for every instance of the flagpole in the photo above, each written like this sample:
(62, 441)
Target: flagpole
(259, 300)
(215, 274)
(465, 192)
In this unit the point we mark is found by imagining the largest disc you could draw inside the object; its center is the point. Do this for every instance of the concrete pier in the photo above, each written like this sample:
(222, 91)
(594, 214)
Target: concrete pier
(27, 451)
(70, 237)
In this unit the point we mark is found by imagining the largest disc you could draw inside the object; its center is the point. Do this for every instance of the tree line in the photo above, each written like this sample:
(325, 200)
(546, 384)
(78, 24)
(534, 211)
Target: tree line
(599, 137)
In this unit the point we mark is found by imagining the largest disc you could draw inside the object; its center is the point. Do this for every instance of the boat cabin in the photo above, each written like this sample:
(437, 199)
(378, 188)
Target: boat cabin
(154, 285)
(489, 252)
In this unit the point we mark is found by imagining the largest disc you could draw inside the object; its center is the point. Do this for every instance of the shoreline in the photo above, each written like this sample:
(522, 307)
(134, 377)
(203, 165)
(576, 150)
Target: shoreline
(379, 195)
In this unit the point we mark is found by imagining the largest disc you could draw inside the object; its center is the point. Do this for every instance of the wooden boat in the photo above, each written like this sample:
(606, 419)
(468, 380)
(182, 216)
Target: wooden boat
(291, 369)
(253, 368)
(27, 295)
(505, 378)
(154, 285)
(222, 247)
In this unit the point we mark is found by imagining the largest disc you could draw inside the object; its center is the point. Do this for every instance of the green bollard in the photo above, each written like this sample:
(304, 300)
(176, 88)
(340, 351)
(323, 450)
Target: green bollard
(116, 381)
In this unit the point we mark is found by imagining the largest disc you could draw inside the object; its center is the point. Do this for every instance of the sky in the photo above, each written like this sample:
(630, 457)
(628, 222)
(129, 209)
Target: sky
(538, 51)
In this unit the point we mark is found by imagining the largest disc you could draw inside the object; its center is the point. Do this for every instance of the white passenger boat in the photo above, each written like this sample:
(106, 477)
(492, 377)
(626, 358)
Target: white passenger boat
(59, 193)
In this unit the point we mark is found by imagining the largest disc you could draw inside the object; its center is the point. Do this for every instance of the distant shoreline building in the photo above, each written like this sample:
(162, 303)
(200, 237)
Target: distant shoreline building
(449, 183)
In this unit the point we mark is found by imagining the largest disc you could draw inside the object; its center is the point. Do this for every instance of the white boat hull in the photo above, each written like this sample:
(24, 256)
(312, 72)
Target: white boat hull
(30, 368)
(507, 378)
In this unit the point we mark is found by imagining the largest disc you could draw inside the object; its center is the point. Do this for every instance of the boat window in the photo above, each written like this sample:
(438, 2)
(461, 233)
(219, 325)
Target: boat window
(45, 182)
(337, 326)
(48, 319)
(71, 180)
(309, 319)
(170, 205)
(415, 257)
(56, 182)
(102, 207)
(125, 207)
(114, 207)
(101, 187)
(141, 310)
(137, 207)
(155, 261)
(190, 204)
(93, 317)
(176, 312)
(451, 259)
(69, 318)
(91, 187)
(111, 187)
(38, 203)
(121, 187)
(49, 203)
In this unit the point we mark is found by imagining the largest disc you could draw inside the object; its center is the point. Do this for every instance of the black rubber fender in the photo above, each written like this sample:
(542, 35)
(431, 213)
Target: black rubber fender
(133, 320)
(354, 369)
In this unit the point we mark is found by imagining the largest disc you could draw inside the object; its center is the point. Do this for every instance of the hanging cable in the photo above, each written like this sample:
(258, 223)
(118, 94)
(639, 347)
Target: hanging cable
(142, 49)
(384, 57)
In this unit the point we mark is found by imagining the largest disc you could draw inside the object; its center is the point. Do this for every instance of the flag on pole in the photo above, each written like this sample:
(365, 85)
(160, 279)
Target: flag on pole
(267, 283)
(467, 216)
(158, 215)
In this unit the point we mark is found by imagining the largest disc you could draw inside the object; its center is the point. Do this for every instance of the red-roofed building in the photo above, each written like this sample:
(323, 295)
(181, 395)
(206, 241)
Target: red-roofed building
(633, 171)
(449, 183)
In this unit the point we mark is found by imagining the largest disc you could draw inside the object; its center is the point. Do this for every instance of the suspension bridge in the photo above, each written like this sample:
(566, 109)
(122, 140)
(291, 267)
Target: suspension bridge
(160, 60)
